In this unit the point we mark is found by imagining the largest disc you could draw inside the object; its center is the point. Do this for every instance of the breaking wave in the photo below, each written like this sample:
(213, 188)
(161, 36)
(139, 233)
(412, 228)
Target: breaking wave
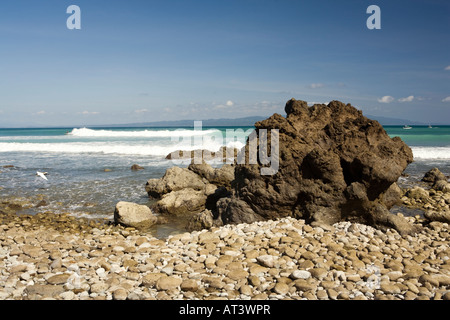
(85, 132)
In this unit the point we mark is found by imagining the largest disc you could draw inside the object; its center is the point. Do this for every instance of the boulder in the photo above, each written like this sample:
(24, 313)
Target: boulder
(184, 201)
(136, 167)
(200, 221)
(190, 190)
(334, 164)
(174, 179)
(418, 193)
(392, 196)
(134, 215)
(437, 180)
(221, 177)
(442, 185)
(434, 175)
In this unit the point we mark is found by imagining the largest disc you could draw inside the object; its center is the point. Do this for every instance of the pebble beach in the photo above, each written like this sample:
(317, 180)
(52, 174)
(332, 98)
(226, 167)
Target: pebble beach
(48, 256)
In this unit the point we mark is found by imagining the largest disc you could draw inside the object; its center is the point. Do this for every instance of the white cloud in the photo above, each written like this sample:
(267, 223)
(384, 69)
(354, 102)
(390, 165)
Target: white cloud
(447, 68)
(386, 99)
(227, 105)
(89, 112)
(407, 99)
(316, 85)
(141, 110)
(220, 106)
(41, 112)
(446, 99)
(316, 102)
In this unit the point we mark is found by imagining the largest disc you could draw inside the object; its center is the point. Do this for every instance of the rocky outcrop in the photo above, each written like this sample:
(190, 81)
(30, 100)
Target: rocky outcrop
(437, 180)
(434, 201)
(192, 191)
(174, 179)
(334, 164)
(434, 175)
(134, 215)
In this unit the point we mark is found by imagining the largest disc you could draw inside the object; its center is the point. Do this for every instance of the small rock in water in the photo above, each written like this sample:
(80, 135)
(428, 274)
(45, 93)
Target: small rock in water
(136, 167)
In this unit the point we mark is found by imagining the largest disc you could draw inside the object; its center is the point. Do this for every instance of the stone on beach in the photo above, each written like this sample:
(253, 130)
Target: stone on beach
(134, 215)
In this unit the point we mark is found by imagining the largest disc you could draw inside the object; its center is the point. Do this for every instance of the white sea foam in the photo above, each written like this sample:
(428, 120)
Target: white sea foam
(113, 148)
(442, 153)
(141, 148)
(85, 132)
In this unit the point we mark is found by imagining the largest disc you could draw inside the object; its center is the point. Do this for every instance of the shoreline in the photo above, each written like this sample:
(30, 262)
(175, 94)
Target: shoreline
(60, 257)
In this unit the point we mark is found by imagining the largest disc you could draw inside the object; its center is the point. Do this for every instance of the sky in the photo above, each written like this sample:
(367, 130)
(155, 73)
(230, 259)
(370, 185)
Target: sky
(144, 61)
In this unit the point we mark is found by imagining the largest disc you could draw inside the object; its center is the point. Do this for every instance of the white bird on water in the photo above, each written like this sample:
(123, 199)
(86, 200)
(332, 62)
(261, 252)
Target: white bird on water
(42, 175)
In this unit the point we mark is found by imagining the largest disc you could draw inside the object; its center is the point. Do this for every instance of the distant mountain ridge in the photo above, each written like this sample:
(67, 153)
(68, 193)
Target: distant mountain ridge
(395, 122)
(244, 122)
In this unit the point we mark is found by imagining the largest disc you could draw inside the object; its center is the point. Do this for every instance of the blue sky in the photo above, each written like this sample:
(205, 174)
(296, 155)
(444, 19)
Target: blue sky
(139, 61)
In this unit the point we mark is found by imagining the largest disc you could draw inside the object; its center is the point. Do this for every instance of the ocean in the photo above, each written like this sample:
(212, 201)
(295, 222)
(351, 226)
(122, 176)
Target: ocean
(89, 169)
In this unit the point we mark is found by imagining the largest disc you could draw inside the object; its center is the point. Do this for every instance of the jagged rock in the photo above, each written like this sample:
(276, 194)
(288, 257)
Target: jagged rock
(334, 164)
(185, 201)
(437, 180)
(236, 211)
(136, 167)
(221, 177)
(174, 179)
(202, 220)
(442, 185)
(418, 193)
(190, 190)
(134, 215)
(434, 175)
(392, 196)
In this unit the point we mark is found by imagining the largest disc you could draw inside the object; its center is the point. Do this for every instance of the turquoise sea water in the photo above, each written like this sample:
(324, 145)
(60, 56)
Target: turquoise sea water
(76, 159)
(430, 146)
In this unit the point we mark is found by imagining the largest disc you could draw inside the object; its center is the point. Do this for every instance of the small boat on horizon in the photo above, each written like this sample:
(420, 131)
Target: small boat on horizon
(406, 127)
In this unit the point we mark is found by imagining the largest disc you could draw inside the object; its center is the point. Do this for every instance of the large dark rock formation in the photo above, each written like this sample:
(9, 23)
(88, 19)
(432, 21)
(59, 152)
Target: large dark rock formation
(334, 164)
